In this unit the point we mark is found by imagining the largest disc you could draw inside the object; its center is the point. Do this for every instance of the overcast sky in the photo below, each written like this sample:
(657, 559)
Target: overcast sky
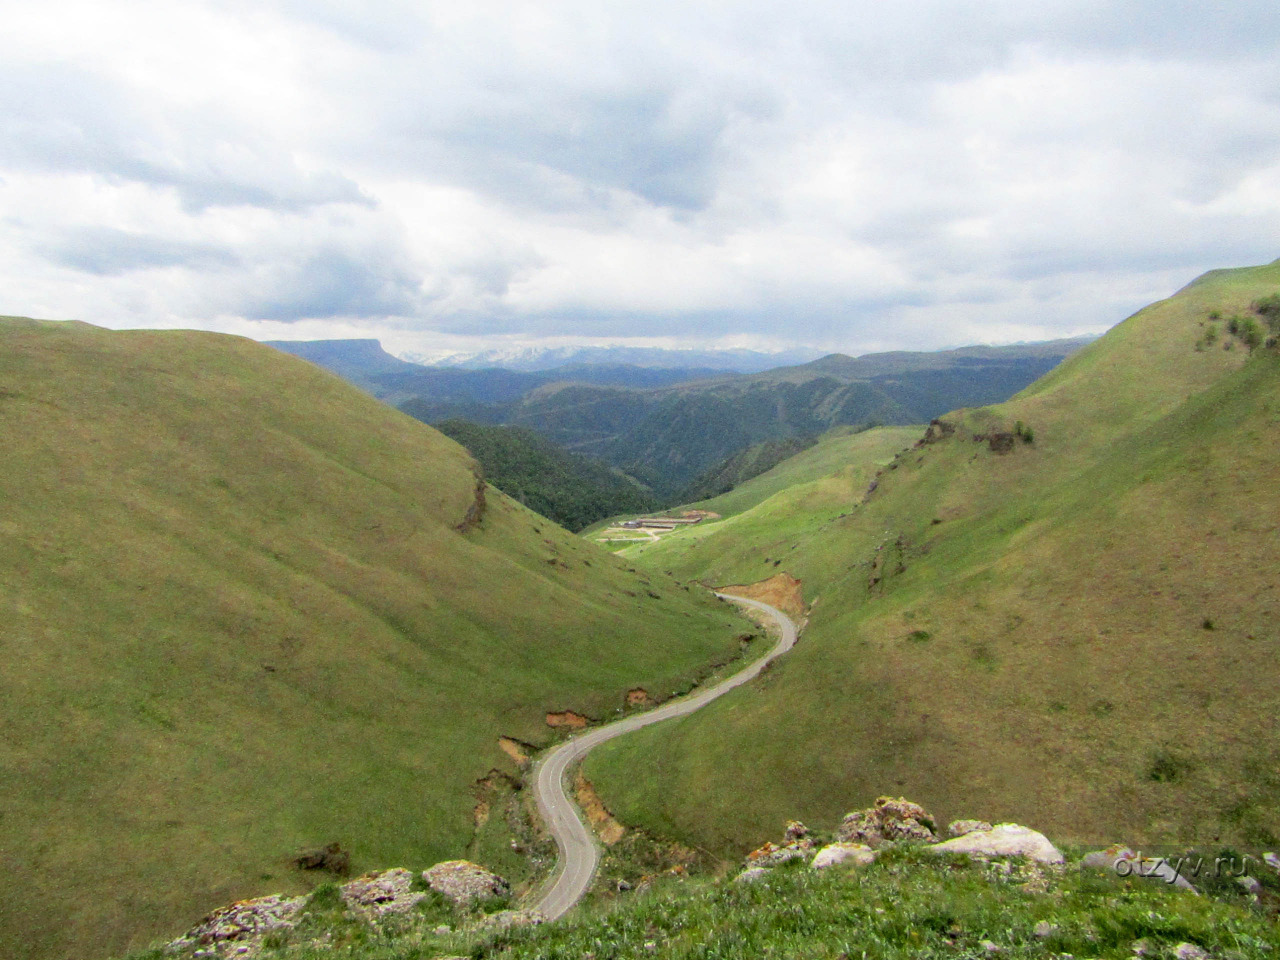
(456, 175)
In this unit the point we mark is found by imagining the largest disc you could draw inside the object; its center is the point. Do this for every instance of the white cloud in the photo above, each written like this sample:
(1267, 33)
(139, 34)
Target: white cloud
(852, 176)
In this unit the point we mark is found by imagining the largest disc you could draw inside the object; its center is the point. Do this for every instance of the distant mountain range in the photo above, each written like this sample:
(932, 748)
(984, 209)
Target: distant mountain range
(538, 359)
(666, 427)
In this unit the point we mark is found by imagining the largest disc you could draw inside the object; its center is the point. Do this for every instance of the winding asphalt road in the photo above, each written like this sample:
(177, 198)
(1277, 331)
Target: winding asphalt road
(579, 855)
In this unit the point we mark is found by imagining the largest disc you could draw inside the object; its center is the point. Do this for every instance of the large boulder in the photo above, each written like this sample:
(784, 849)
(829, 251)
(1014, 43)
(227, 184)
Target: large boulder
(854, 854)
(465, 883)
(889, 820)
(1003, 840)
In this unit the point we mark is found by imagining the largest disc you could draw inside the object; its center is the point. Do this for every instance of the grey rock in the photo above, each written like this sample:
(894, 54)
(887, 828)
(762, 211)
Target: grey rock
(796, 831)
(891, 819)
(1189, 951)
(1003, 840)
(855, 854)
(248, 920)
(382, 894)
(752, 875)
(1107, 859)
(465, 883)
(1044, 929)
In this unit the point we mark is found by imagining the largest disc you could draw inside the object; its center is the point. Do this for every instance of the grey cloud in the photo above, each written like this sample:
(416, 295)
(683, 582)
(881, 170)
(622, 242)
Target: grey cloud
(106, 251)
(59, 118)
(331, 283)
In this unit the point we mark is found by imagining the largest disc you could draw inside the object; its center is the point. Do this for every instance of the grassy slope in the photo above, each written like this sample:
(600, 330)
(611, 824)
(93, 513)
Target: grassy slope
(238, 621)
(1036, 647)
(768, 515)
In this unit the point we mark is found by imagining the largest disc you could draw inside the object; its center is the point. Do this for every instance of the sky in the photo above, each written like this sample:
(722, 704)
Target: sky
(453, 177)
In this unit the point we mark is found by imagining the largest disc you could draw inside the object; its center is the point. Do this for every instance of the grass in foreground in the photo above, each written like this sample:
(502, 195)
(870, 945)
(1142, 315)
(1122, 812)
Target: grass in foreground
(909, 904)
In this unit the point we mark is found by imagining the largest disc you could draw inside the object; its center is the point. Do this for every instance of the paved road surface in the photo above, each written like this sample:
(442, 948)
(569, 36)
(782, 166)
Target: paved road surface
(579, 855)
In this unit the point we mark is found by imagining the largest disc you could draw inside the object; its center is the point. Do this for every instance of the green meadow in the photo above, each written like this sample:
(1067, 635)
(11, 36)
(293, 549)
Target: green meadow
(245, 614)
(1064, 613)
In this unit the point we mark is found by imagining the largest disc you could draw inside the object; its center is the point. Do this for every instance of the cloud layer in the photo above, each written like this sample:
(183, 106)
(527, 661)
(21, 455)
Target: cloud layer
(448, 176)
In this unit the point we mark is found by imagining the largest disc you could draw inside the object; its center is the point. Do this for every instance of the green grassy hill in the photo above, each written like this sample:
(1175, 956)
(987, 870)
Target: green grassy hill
(763, 520)
(248, 609)
(1081, 631)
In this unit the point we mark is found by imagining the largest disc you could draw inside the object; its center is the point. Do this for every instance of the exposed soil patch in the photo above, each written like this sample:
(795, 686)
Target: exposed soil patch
(566, 720)
(609, 830)
(517, 750)
(781, 590)
(639, 697)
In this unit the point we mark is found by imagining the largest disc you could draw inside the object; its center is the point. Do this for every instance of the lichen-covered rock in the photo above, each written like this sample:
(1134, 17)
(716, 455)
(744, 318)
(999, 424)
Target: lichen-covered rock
(382, 894)
(244, 921)
(1003, 840)
(855, 854)
(465, 883)
(958, 828)
(891, 819)
(772, 855)
(861, 826)
(751, 875)
(795, 831)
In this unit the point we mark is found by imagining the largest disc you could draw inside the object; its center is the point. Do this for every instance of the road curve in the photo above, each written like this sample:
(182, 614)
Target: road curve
(578, 853)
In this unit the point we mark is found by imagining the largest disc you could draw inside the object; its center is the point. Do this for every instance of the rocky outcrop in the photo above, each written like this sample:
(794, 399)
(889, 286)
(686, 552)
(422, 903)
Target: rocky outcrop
(245, 923)
(377, 895)
(1003, 840)
(465, 883)
(840, 853)
(891, 819)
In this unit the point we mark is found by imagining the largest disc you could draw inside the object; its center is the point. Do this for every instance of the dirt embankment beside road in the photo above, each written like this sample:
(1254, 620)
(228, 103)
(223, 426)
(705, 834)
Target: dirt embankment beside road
(781, 590)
